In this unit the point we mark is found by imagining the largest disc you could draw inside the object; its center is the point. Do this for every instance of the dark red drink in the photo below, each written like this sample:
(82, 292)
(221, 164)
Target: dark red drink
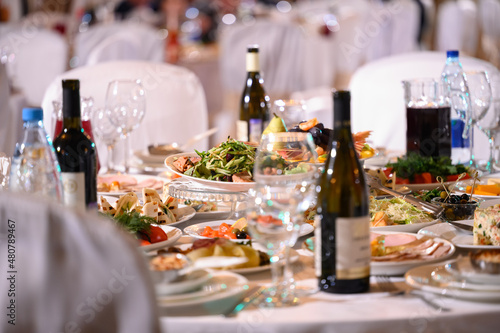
(428, 131)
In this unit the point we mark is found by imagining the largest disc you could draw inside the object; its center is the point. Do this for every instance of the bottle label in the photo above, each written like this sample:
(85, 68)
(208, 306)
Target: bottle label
(252, 62)
(74, 189)
(255, 127)
(242, 130)
(353, 252)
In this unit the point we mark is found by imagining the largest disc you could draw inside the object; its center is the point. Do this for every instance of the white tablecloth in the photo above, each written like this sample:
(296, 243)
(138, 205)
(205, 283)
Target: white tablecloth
(322, 312)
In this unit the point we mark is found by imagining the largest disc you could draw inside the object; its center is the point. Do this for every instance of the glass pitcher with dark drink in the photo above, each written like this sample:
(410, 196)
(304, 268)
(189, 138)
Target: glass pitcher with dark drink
(428, 131)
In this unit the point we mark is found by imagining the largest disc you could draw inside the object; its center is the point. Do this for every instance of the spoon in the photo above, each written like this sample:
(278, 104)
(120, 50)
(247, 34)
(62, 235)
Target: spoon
(197, 138)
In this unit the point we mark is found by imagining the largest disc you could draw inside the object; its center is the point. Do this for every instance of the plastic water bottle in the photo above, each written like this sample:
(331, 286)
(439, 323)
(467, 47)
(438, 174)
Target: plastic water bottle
(34, 167)
(453, 76)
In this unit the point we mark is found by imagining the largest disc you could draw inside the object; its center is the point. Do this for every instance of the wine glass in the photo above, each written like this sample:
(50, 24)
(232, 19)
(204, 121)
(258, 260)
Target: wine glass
(291, 111)
(126, 106)
(106, 132)
(285, 175)
(490, 123)
(479, 92)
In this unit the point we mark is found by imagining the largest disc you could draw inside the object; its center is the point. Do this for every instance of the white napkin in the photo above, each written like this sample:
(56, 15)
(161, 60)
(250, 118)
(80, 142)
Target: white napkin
(72, 271)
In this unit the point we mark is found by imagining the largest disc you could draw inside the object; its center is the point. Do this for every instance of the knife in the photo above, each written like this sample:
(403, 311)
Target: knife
(251, 296)
(461, 225)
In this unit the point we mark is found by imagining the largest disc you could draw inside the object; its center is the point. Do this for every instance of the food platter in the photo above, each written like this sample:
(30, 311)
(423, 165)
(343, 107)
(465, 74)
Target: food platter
(395, 267)
(228, 186)
(142, 181)
(183, 213)
(173, 234)
(413, 227)
(460, 238)
(194, 230)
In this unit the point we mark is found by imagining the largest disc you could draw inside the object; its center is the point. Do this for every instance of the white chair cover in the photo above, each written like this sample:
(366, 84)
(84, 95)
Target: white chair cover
(489, 18)
(118, 41)
(457, 26)
(378, 99)
(175, 101)
(40, 55)
(73, 271)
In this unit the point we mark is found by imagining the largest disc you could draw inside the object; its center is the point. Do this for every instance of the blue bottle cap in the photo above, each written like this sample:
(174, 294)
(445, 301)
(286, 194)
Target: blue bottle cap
(451, 53)
(31, 114)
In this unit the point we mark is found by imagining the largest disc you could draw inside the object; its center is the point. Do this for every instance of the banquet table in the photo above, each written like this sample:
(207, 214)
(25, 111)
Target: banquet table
(375, 311)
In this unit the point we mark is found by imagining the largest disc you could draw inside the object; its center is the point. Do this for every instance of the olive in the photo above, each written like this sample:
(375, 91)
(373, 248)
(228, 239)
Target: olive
(443, 194)
(236, 231)
(241, 235)
(245, 229)
(465, 197)
(454, 199)
(463, 201)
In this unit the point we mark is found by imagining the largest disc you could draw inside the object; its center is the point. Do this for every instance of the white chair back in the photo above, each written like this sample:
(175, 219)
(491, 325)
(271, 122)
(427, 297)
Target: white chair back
(40, 56)
(72, 269)
(457, 27)
(118, 41)
(489, 18)
(378, 99)
(175, 101)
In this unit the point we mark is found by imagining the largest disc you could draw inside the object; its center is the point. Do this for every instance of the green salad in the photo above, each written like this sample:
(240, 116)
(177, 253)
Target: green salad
(397, 211)
(222, 162)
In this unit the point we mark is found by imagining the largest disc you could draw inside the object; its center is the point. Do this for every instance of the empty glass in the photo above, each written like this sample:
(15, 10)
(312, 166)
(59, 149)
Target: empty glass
(126, 106)
(291, 111)
(106, 132)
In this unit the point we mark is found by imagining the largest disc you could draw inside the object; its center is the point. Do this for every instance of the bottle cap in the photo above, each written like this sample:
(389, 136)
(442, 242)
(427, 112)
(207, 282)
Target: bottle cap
(451, 53)
(253, 48)
(30, 114)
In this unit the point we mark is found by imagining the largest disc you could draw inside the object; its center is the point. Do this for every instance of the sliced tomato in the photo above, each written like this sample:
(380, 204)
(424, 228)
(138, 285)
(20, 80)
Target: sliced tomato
(388, 172)
(157, 234)
(207, 232)
(402, 181)
(423, 178)
(453, 178)
(224, 228)
(143, 242)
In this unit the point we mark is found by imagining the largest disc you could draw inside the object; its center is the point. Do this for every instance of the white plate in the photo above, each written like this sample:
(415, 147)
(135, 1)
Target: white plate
(183, 213)
(139, 179)
(417, 187)
(459, 237)
(195, 229)
(173, 234)
(294, 256)
(189, 282)
(414, 227)
(421, 278)
(228, 186)
(224, 285)
(461, 186)
(441, 275)
(462, 268)
(393, 267)
(401, 267)
(145, 157)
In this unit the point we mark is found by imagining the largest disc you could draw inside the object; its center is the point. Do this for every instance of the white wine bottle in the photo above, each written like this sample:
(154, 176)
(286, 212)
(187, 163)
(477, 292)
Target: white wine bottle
(76, 152)
(254, 106)
(342, 236)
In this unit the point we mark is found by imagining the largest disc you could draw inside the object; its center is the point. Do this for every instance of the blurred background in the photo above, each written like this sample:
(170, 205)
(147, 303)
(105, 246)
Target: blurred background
(307, 46)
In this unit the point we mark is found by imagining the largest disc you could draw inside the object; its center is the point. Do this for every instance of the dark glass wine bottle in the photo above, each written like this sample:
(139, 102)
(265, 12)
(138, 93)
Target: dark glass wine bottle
(76, 152)
(254, 106)
(342, 236)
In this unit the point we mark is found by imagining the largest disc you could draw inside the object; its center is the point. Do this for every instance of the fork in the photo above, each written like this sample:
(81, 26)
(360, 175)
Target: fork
(385, 284)
(434, 210)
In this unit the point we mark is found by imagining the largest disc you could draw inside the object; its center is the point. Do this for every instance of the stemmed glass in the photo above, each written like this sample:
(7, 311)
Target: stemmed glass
(285, 176)
(479, 91)
(490, 123)
(106, 132)
(126, 106)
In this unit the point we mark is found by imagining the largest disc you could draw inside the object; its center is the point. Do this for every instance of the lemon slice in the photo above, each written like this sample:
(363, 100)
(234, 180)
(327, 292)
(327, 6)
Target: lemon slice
(239, 224)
